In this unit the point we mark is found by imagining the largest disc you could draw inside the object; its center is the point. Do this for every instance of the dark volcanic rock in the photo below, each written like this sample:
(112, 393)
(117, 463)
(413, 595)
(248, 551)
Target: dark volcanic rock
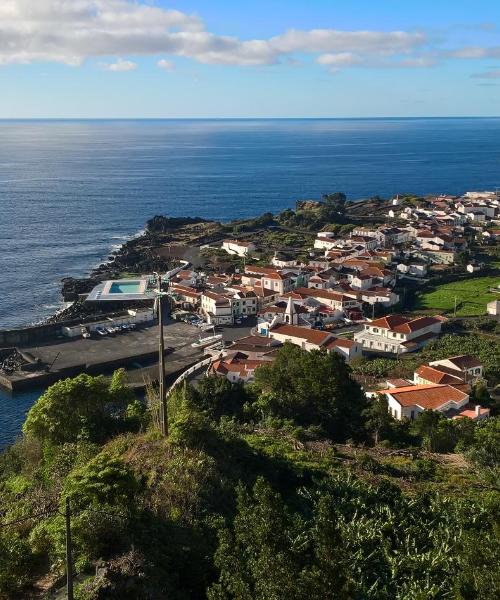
(71, 287)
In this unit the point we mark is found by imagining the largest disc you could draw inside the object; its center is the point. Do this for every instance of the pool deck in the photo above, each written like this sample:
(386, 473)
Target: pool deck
(137, 351)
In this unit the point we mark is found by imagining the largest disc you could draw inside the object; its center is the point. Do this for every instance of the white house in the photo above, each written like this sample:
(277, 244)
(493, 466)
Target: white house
(395, 334)
(238, 247)
(413, 269)
(217, 308)
(408, 401)
(243, 301)
(325, 240)
(469, 367)
(493, 308)
(312, 339)
(236, 369)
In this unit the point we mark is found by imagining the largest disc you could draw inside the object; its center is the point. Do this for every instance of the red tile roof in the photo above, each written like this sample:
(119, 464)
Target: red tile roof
(435, 375)
(430, 396)
(402, 324)
(313, 336)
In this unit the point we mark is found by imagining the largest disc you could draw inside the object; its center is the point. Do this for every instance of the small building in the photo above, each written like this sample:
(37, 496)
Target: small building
(473, 267)
(236, 369)
(493, 308)
(467, 366)
(312, 339)
(409, 401)
(238, 247)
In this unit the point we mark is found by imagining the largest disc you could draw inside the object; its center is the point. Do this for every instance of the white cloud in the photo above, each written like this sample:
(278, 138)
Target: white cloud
(121, 66)
(475, 52)
(165, 64)
(72, 31)
(336, 60)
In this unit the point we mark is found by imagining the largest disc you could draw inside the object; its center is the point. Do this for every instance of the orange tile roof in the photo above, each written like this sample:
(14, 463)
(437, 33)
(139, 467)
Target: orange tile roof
(313, 336)
(431, 396)
(435, 375)
(404, 324)
(340, 342)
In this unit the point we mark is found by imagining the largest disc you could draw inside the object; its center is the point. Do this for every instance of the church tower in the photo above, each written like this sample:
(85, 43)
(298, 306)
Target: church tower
(291, 315)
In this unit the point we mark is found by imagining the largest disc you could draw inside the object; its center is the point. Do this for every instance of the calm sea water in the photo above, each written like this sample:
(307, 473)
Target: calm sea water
(70, 190)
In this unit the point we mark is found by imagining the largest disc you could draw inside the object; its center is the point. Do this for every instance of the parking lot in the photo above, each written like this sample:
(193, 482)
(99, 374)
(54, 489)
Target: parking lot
(137, 345)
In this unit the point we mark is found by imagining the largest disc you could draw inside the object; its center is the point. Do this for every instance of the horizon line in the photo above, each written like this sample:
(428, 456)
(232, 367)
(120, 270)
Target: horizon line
(358, 118)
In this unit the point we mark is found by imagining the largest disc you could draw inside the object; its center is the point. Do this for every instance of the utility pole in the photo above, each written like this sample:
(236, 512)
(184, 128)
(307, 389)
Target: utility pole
(161, 360)
(69, 557)
(455, 309)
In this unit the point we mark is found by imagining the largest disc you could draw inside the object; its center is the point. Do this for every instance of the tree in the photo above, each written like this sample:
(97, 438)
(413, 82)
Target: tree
(335, 201)
(378, 418)
(216, 396)
(71, 408)
(105, 480)
(485, 448)
(425, 427)
(311, 388)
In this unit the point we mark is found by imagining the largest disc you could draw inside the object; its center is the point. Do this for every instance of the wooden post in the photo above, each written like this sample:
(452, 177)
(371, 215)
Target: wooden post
(69, 553)
(161, 362)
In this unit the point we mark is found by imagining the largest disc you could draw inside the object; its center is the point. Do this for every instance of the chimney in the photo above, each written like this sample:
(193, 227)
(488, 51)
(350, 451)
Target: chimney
(478, 410)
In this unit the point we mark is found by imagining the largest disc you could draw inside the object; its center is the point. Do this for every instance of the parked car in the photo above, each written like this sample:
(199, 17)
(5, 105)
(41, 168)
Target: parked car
(110, 330)
(132, 326)
(85, 333)
(101, 331)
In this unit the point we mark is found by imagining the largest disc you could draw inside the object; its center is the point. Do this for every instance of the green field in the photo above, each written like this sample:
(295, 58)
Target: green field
(472, 296)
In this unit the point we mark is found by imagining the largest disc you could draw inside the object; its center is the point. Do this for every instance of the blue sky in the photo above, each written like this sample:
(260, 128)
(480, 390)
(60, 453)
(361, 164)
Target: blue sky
(259, 58)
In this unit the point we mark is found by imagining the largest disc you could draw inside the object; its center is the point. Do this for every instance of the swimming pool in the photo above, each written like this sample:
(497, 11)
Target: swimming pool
(125, 287)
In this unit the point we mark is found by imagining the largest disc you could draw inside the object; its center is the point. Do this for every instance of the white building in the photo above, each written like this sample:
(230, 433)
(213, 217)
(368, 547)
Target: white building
(395, 334)
(493, 308)
(407, 402)
(217, 308)
(238, 247)
(469, 367)
(312, 339)
(325, 240)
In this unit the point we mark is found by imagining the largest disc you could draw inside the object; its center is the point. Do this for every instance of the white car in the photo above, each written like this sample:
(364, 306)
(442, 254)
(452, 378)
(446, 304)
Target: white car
(101, 331)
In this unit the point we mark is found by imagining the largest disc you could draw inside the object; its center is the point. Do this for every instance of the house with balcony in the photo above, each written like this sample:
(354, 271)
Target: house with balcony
(243, 299)
(395, 334)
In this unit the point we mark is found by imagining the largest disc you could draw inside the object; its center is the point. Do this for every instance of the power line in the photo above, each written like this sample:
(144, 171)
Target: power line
(34, 516)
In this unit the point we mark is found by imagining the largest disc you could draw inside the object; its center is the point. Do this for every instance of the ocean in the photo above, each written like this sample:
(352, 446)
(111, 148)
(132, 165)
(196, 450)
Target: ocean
(72, 190)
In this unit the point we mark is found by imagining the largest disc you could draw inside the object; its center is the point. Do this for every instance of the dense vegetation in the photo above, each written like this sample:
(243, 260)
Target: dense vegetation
(487, 350)
(254, 495)
(331, 209)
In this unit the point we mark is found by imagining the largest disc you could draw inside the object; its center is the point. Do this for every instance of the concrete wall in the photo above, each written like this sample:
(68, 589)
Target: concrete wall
(26, 336)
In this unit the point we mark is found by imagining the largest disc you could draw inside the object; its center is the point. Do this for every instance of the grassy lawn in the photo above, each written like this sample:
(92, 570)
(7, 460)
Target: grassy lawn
(472, 296)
